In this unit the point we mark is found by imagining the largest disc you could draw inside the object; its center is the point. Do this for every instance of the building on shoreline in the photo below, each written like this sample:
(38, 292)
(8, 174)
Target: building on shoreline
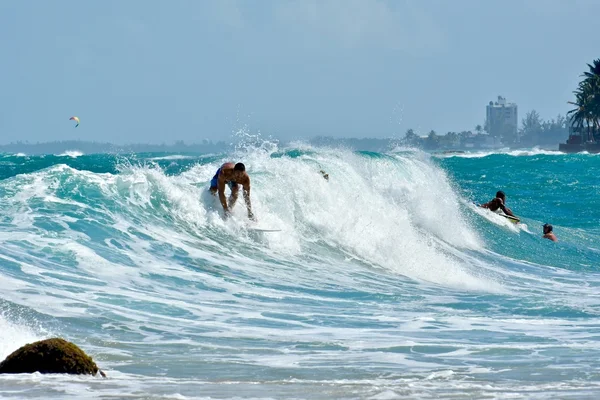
(581, 138)
(502, 120)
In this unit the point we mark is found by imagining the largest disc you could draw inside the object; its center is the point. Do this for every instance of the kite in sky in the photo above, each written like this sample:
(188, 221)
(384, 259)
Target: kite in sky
(76, 119)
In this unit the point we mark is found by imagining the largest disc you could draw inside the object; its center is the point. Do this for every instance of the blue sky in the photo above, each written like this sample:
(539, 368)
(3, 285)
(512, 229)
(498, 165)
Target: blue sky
(156, 71)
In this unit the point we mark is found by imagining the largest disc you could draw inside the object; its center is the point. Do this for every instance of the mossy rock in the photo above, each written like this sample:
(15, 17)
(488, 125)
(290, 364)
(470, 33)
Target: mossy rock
(50, 356)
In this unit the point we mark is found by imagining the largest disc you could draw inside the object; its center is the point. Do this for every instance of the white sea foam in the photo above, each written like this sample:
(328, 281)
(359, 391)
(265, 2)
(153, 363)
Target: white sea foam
(16, 334)
(515, 153)
(377, 272)
(172, 157)
(71, 153)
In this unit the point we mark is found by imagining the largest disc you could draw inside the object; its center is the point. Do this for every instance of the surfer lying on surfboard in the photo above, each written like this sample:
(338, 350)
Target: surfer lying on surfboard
(498, 204)
(233, 176)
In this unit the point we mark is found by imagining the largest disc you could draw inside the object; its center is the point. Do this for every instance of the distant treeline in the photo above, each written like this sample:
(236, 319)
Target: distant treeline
(533, 132)
(58, 147)
(361, 144)
(206, 146)
(537, 132)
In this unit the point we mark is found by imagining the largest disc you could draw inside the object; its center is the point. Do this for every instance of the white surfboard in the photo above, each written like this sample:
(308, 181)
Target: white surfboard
(510, 218)
(263, 229)
(516, 220)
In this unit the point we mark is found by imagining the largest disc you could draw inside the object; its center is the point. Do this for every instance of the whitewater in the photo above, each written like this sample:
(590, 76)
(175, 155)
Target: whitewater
(386, 281)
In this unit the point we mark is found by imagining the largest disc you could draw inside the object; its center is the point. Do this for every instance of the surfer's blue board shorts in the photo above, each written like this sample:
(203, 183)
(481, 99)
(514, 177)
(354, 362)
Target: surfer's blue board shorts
(214, 181)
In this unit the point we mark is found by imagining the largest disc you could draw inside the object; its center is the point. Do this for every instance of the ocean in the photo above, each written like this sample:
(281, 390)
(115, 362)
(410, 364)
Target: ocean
(386, 281)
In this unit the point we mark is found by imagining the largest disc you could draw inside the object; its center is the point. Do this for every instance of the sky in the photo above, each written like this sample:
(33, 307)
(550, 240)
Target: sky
(149, 71)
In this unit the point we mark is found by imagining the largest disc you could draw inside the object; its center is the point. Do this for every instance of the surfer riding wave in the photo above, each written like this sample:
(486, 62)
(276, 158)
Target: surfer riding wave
(233, 176)
(498, 203)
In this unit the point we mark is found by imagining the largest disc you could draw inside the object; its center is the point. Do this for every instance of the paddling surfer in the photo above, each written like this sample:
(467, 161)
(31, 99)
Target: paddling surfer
(497, 203)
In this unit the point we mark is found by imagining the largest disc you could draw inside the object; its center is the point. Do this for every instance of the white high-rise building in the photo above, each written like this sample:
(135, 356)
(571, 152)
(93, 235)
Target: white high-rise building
(501, 119)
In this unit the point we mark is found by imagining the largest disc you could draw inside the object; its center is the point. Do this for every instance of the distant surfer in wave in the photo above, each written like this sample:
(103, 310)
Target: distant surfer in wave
(498, 204)
(233, 176)
(548, 234)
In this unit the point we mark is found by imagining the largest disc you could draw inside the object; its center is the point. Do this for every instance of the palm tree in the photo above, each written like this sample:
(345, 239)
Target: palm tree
(576, 116)
(580, 114)
(590, 94)
(478, 129)
(594, 69)
(587, 101)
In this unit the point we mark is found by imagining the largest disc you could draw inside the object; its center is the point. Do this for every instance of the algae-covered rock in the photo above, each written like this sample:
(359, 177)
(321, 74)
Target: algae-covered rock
(50, 356)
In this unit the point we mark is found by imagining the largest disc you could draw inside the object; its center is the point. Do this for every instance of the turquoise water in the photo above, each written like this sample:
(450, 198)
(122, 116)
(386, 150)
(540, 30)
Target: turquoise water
(385, 281)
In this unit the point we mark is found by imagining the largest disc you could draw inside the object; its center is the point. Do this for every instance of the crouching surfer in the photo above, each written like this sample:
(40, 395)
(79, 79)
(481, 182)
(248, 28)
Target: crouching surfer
(232, 176)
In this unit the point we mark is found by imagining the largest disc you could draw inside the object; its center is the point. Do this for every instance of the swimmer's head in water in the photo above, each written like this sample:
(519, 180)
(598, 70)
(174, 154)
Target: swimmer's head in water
(547, 228)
